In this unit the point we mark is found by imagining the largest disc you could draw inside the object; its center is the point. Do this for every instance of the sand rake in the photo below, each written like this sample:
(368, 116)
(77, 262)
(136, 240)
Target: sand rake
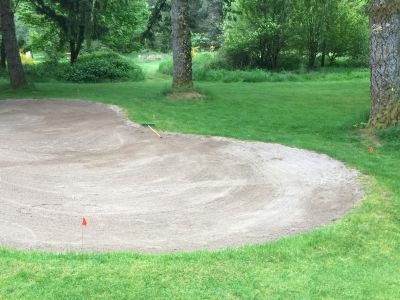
(150, 126)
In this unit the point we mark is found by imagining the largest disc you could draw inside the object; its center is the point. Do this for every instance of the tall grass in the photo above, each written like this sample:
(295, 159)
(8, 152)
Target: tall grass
(206, 68)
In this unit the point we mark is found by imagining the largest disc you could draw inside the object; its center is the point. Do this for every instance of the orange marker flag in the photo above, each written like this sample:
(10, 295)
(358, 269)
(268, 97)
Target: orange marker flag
(84, 222)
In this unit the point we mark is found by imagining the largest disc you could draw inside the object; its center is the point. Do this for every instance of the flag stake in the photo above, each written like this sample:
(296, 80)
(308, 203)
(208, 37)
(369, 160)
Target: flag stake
(82, 240)
(84, 224)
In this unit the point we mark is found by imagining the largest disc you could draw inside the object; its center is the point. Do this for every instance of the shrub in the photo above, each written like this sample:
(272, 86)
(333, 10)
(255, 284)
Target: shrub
(290, 61)
(46, 71)
(96, 67)
(103, 66)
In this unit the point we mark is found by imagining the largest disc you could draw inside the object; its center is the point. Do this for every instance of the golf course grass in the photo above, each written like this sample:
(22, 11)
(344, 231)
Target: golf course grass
(358, 256)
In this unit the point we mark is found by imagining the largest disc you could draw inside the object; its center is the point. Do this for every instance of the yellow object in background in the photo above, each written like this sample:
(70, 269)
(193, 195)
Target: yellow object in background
(26, 58)
(194, 53)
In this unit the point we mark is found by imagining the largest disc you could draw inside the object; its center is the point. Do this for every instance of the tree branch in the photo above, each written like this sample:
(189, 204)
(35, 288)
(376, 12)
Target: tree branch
(154, 17)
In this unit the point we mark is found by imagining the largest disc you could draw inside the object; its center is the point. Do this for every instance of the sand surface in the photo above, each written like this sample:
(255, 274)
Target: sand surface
(62, 160)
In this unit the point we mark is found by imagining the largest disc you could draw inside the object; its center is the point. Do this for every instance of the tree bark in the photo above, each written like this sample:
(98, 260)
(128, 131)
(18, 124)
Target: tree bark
(312, 56)
(75, 45)
(312, 49)
(384, 23)
(14, 64)
(72, 50)
(181, 44)
(323, 54)
(159, 5)
(2, 55)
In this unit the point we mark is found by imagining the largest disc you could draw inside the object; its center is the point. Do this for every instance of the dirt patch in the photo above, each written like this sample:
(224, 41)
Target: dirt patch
(185, 96)
(62, 160)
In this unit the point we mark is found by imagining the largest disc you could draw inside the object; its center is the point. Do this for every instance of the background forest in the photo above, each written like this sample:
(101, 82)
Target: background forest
(267, 35)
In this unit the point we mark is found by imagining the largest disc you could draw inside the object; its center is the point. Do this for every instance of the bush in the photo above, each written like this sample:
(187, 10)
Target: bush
(95, 67)
(290, 61)
(103, 66)
(46, 71)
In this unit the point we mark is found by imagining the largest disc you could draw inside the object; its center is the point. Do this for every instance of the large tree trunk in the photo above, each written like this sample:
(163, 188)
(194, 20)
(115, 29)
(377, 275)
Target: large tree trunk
(385, 62)
(15, 69)
(181, 44)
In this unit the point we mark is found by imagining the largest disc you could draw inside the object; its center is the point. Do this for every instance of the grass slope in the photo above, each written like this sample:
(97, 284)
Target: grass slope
(356, 257)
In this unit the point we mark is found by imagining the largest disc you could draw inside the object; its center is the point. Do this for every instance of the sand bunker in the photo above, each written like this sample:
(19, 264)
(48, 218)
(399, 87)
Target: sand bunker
(62, 160)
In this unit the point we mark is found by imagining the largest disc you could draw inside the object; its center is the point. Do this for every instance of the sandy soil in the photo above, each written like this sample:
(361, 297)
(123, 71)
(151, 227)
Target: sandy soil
(62, 160)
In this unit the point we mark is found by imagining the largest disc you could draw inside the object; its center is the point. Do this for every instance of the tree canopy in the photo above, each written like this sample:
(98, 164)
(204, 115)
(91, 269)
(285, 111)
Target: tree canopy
(115, 23)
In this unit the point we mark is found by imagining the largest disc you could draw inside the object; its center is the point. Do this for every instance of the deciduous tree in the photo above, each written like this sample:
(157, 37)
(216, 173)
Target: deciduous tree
(114, 21)
(256, 31)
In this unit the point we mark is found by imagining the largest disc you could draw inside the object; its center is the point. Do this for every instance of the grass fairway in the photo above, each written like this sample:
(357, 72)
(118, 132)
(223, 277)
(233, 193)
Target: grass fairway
(356, 257)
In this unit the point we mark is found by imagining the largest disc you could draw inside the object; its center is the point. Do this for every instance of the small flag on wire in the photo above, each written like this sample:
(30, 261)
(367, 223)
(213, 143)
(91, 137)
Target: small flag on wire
(84, 224)
(371, 149)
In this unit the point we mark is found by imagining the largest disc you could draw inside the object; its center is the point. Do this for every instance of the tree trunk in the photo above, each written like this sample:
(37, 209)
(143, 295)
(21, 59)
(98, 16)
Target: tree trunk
(323, 55)
(73, 55)
(312, 46)
(75, 49)
(312, 55)
(75, 45)
(385, 62)
(2, 55)
(215, 16)
(312, 52)
(15, 69)
(181, 44)
(89, 30)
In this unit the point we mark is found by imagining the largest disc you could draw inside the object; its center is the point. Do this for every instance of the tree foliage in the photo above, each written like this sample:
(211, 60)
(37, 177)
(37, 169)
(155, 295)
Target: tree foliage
(206, 19)
(115, 23)
(259, 32)
(256, 32)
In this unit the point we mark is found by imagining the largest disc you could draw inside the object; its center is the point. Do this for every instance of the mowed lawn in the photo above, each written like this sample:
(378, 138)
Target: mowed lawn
(358, 256)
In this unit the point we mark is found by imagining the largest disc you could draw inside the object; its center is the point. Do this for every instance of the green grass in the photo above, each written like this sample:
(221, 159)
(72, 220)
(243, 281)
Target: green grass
(356, 257)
